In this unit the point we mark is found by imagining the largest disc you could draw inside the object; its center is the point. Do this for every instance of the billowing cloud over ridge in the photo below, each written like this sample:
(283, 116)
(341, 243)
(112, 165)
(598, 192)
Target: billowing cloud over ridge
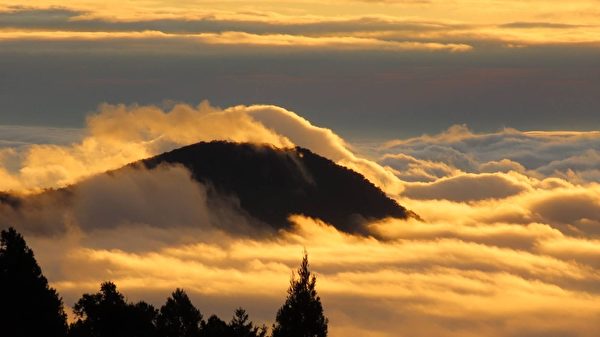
(119, 134)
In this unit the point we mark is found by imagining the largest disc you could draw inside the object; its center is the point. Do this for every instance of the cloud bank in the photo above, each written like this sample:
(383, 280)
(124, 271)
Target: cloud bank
(570, 155)
(356, 25)
(507, 245)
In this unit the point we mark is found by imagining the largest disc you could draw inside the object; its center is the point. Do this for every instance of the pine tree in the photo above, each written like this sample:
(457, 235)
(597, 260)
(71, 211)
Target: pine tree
(241, 326)
(302, 313)
(28, 306)
(178, 317)
(215, 327)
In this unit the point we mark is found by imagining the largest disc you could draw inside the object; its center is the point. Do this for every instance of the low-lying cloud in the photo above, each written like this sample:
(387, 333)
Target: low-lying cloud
(166, 198)
(566, 154)
(507, 245)
(467, 187)
(447, 282)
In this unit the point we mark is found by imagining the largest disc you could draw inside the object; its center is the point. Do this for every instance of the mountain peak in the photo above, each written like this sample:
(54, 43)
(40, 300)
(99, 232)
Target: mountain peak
(272, 184)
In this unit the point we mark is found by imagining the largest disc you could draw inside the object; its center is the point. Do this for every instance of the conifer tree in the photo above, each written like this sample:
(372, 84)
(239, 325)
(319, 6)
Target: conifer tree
(241, 326)
(178, 317)
(302, 313)
(215, 327)
(28, 306)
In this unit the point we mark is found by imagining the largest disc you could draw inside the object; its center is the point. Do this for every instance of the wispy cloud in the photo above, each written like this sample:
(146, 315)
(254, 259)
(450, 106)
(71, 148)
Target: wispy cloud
(306, 26)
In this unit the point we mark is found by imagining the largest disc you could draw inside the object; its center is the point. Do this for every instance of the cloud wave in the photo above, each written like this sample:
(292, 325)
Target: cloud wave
(119, 134)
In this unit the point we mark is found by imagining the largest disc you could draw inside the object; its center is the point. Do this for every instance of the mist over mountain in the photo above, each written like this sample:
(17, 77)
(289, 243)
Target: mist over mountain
(272, 184)
(237, 187)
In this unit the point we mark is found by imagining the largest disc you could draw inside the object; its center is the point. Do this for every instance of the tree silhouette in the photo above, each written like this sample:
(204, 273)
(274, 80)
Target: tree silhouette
(215, 327)
(142, 319)
(107, 314)
(242, 327)
(302, 313)
(178, 317)
(28, 306)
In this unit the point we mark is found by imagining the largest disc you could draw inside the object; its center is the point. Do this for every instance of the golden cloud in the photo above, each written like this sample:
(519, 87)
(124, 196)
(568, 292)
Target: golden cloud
(342, 25)
(505, 248)
(118, 135)
(429, 281)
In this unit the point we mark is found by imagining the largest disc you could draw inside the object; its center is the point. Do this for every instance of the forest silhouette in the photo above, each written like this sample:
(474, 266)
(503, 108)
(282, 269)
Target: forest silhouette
(29, 307)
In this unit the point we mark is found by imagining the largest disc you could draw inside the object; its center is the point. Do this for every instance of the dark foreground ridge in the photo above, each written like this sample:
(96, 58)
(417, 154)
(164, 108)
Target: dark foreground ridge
(272, 184)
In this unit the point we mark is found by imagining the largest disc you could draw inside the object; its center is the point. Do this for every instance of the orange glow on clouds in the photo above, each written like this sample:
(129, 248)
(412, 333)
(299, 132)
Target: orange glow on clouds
(343, 25)
(501, 250)
(508, 243)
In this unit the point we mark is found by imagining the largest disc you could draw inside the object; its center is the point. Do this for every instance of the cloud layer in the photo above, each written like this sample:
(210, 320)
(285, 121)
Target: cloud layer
(570, 155)
(350, 25)
(508, 243)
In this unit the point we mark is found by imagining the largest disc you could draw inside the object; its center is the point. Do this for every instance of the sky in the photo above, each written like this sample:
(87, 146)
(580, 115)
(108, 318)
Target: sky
(369, 69)
(479, 116)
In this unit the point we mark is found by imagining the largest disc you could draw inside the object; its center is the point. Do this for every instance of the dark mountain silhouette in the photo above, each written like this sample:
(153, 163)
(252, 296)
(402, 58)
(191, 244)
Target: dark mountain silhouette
(268, 183)
(272, 184)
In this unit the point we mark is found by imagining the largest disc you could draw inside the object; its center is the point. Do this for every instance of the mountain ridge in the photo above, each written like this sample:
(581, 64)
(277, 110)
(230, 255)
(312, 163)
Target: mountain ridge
(266, 183)
(291, 180)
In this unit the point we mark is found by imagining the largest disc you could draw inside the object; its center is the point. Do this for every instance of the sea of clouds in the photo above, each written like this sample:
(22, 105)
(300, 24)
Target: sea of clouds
(508, 243)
